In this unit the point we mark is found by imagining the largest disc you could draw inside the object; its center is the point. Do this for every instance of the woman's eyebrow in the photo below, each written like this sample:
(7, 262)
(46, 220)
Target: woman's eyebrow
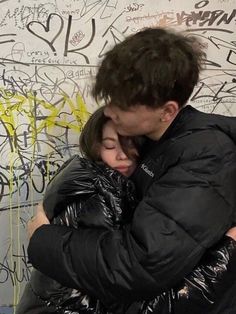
(109, 138)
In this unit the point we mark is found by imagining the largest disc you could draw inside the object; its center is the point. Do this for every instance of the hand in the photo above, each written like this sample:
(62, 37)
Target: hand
(37, 221)
(232, 233)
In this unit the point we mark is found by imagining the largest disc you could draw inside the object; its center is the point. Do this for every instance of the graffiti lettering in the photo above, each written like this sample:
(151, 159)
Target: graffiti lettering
(12, 273)
(201, 4)
(198, 18)
(24, 14)
(134, 7)
(50, 52)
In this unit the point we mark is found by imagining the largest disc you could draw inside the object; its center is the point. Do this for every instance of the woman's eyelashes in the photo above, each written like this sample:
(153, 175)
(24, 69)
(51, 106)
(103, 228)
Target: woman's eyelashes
(109, 144)
(109, 147)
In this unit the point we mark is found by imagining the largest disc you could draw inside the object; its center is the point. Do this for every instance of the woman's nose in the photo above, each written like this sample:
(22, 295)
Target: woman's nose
(121, 155)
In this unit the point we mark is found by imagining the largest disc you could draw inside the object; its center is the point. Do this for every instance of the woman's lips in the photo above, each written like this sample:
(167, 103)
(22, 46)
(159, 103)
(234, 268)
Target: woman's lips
(122, 169)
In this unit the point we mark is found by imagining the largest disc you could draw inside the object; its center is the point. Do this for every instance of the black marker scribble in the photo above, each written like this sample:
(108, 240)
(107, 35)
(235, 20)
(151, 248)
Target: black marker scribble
(30, 169)
(196, 19)
(47, 28)
(209, 29)
(133, 7)
(8, 40)
(11, 272)
(227, 48)
(107, 8)
(66, 50)
(116, 34)
(22, 206)
(6, 60)
(20, 15)
(215, 91)
(201, 4)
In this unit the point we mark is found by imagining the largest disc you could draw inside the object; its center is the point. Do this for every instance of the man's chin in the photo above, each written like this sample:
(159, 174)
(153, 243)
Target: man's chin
(129, 134)
(123, 132)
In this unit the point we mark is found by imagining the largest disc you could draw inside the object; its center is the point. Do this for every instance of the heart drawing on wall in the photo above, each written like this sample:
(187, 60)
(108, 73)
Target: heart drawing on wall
(49, 32)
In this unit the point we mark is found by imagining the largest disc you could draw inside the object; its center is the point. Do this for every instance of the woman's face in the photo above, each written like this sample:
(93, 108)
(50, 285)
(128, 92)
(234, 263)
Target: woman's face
(113, 154)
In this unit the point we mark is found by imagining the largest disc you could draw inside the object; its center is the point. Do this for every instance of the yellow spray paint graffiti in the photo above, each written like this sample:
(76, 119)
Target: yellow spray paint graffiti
(34, 143)
(30, 105)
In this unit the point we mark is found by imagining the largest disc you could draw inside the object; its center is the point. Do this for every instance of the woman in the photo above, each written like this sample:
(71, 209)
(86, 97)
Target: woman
(85, 192)
(80, 185)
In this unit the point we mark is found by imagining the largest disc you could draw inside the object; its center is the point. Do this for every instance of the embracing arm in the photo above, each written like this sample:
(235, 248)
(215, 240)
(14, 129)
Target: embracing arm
(166, 239)
(101, 263)
(208, 282)
(203, 286)
(200, 290)
(139, 262)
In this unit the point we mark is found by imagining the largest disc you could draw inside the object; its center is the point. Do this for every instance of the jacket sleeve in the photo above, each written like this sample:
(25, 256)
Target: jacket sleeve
(206, 284)
(73, 180)
(165, 240)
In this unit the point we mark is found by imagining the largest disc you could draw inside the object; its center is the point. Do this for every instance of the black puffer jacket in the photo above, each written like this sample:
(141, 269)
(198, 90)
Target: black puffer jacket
(87, 194)
(81, 194)
(188, 201)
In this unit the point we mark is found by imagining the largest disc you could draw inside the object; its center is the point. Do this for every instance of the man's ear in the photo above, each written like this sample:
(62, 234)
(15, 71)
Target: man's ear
(169, 111)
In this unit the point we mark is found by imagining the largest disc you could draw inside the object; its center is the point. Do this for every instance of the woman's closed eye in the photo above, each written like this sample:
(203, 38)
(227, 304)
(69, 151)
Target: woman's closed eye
(109, 147)
(109, 143)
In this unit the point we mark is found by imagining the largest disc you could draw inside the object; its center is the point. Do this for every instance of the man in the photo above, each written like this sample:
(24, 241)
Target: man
(185, 179)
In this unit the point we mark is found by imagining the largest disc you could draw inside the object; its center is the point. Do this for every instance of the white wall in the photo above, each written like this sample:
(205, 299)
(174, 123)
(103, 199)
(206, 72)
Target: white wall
(49, 52)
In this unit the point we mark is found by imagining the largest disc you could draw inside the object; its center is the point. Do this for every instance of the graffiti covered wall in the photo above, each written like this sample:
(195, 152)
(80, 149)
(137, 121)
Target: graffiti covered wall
(49, 53)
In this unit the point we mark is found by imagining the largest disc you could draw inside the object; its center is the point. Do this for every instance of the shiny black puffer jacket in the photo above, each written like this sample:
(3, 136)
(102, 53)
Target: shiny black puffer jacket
(202, 288)
(82, 194)
(87, 194)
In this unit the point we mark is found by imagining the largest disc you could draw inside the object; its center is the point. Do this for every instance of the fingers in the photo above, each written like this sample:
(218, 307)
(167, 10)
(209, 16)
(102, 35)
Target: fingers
(39, 207)
(37, 220)
(232, 233)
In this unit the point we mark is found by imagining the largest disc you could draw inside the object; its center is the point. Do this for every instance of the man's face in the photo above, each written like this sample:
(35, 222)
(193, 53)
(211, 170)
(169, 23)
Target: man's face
(137, 120)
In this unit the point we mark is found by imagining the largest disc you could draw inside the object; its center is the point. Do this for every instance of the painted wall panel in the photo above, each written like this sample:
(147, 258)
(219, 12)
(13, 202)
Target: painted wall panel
(49, 53)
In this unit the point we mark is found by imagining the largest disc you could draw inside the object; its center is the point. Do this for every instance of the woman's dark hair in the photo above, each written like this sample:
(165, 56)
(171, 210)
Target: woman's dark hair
(91, 137)
(150, 68)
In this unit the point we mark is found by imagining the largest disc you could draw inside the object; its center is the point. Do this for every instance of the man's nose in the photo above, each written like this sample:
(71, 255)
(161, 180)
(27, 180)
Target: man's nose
(110, 114)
